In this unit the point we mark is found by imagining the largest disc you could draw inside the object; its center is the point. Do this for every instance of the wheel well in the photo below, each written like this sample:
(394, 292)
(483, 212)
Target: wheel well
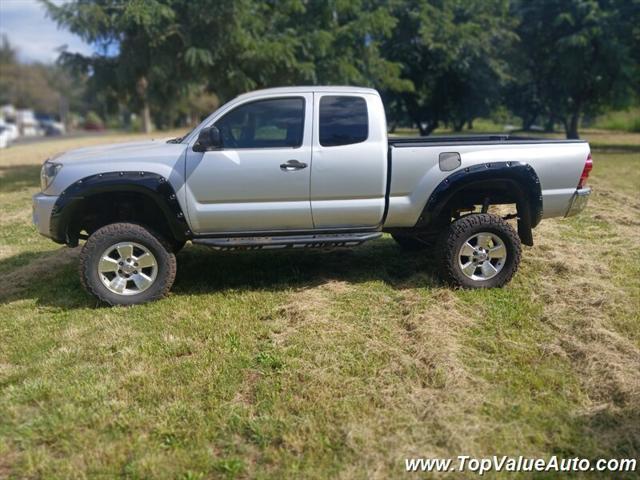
(490, 192)
(102, 209)
(483, 193)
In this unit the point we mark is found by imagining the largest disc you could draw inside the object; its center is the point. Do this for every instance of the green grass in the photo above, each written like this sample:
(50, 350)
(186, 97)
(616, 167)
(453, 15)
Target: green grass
(623, 120)
(311, 364)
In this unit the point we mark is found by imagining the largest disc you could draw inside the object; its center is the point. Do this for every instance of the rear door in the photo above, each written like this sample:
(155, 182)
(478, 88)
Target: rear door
(348, 176)
(259, 180)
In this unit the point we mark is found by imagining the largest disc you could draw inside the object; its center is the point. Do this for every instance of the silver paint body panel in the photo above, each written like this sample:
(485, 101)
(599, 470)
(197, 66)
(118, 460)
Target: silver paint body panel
(348, 183)
(415, 173)
(245, 190)
(240, 190)
(41, 212)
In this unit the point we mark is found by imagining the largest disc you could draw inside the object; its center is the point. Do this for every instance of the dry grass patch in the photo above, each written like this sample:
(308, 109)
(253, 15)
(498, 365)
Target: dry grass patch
(35, 153)
(46, 267)
(320, 364)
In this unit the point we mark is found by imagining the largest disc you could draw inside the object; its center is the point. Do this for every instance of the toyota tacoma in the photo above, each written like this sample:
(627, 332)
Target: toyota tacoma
(304, 167)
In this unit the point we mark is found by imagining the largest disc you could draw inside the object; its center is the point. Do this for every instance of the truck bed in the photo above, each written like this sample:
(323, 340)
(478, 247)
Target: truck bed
(415, 171)
(488, 139)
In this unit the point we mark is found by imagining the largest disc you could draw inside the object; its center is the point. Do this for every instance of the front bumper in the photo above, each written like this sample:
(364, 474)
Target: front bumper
(579, 201)
(42, 209)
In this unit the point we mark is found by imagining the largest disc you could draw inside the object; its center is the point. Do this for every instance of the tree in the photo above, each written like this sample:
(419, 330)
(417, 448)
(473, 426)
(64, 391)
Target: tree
(628, 13)
(167, 49)
(34, 86)
(573, 58)
(436, 61)
(145, 38)
(299, 42)
(7, 52)
(450, 51)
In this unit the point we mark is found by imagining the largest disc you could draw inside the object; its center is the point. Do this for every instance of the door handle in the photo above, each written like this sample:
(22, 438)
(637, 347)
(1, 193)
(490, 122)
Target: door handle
(292, 165)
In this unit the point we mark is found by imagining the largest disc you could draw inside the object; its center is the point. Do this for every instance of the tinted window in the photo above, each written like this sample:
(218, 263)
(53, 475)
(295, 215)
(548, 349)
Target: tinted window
(343, 120)
(264, 124)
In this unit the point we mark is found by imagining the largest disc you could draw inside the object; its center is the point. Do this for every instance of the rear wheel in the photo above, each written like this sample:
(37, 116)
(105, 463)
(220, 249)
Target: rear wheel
(126, 264)
(479, 251)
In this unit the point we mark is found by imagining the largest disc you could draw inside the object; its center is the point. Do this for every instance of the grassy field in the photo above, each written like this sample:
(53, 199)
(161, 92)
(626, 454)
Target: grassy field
(321, 364)
(625, 120)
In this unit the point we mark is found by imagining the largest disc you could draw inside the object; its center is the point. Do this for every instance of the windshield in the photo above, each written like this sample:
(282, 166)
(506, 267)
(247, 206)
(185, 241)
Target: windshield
(188, 135)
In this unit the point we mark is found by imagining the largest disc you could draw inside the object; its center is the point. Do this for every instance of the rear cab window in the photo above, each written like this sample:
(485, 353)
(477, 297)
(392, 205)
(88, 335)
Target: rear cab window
(344, 120)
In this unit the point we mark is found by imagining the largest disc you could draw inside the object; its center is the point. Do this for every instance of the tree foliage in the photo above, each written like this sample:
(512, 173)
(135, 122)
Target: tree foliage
(437, 62)
(451, 51)
(48, 89)
(574, 57)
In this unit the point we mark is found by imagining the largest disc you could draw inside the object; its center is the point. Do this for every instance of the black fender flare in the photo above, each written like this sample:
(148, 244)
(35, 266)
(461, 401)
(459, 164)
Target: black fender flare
(527, 191)
(153, 186)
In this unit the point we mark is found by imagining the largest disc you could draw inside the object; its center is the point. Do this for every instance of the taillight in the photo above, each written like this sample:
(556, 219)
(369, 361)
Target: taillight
(588, 166)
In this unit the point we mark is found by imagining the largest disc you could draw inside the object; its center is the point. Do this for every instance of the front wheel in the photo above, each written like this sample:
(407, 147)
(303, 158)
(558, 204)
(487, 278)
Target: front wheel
(125, 264)
(479, 251)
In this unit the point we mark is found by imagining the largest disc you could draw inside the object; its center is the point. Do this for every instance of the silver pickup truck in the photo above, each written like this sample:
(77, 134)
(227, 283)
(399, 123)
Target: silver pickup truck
(304, 167)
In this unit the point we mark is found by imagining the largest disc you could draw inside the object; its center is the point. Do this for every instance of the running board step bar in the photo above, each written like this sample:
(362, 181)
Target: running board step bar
(294, 241)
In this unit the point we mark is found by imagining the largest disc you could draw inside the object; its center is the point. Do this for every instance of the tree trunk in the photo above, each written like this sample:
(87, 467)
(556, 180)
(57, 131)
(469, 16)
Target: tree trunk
(64, 113)
(470, 124)
(458, 125)
(426, 129)
(549, 125)
(527, 122)
(145, 113)
(146, 118)
(571, 127)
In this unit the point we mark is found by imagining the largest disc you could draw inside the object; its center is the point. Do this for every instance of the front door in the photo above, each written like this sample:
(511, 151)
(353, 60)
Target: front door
(259, 180)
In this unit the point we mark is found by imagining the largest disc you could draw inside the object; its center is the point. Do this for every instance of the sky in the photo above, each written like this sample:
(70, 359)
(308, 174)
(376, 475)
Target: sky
(33, 34)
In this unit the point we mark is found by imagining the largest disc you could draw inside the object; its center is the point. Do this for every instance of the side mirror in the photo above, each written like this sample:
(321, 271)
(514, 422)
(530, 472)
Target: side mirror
(208, 139)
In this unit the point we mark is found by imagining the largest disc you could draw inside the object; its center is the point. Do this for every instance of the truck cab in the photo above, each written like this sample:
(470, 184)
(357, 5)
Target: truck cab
(291, 159)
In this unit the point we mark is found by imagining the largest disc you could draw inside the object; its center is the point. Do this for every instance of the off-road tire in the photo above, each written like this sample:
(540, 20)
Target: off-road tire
(126, 232)
(411, 243)
(450, 243)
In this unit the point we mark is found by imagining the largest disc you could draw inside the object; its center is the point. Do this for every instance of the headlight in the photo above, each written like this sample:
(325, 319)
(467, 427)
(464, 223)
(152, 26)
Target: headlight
(48, 173)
